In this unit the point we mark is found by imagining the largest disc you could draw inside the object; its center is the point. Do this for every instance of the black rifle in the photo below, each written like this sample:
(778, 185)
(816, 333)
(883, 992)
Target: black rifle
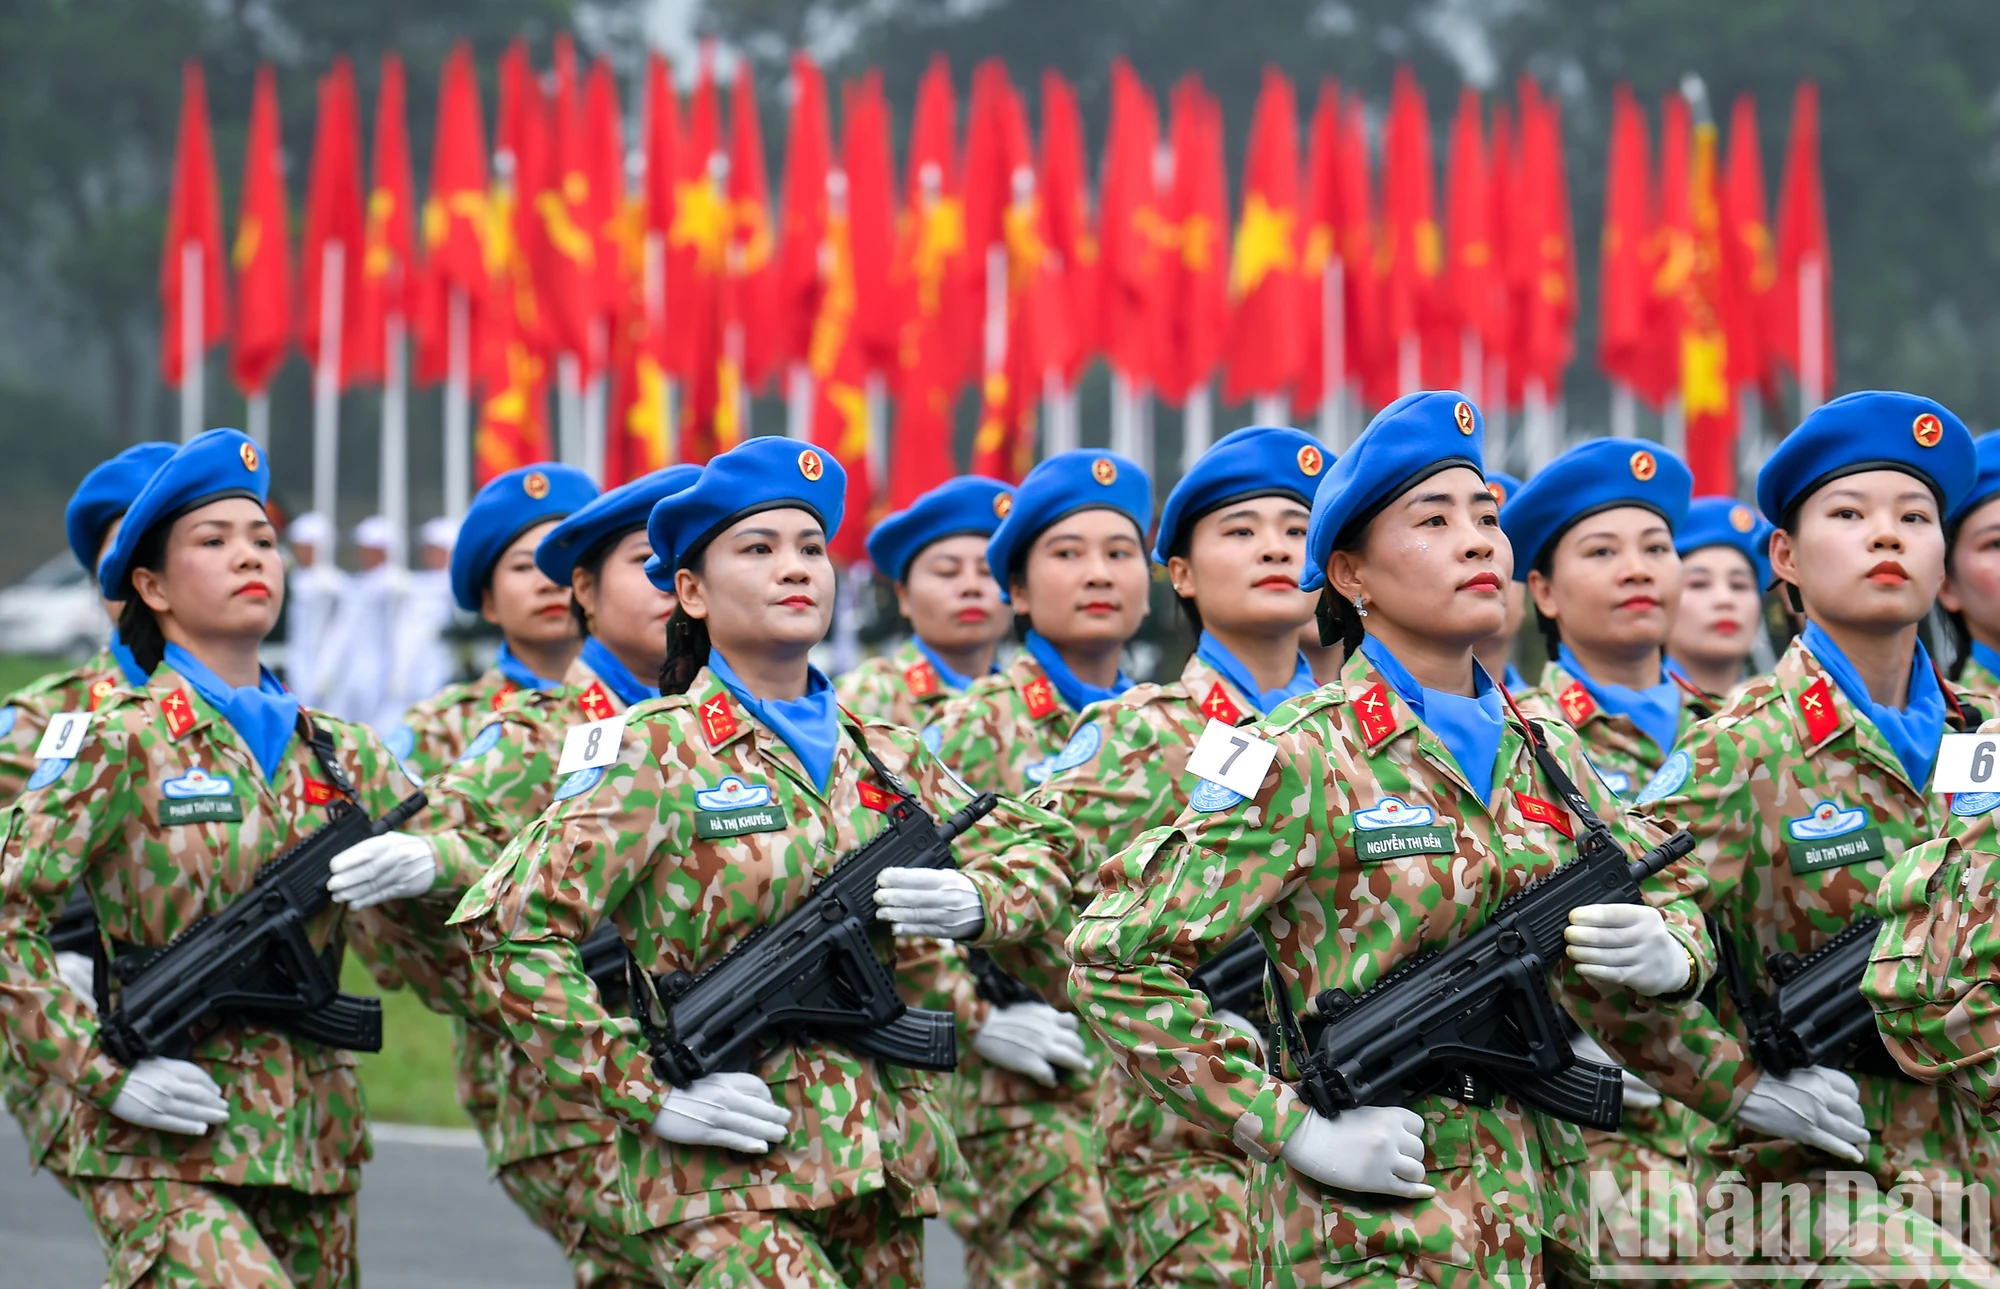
(1816, 1015)
(813, 972)
(1234, 978)
(75, 930)
(1480, 1012)
(604, 959)
(253, 960)
(991, 981)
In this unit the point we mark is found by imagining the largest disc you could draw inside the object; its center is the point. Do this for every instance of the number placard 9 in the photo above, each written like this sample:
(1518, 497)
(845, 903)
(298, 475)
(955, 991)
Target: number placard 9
(1232, 757)
(1967, 763)
(594, 743)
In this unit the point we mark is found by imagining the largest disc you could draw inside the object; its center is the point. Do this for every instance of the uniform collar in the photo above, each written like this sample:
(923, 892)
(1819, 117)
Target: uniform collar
(1381, 717)
(1212, 692)
(617, 677)
(595, 700)
(1230, 665)
(918, 652)
(1822, 713)
(1034, 688)
(1075, 691)
(722, 719)
(1911, 725)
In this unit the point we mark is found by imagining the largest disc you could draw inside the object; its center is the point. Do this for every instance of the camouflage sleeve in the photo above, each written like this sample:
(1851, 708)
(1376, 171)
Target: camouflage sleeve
(1121, 789)
(505, 777)
(52, 833)
(1014, 856)
(933, 974)
(869, 690)
(1172, 900)
(24, 715)
(968, 742)
(1934, 976)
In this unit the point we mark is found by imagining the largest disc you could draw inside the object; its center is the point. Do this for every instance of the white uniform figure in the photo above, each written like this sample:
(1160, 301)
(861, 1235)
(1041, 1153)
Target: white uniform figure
(424, 660)
(314, 588)
(360, 649)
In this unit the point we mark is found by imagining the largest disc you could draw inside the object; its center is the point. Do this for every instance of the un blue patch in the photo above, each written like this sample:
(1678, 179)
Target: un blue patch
(1210, 797)
(8, 716)
(402, 742)
(933, 737)
(579, 783)
(1668, 780)
(485, 741)
(47, 772)
(1974, 803)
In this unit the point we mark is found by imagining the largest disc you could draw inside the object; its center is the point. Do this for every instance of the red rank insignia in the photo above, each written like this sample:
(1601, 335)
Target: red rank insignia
(1040, 696)
(500, 695)
(1378, 719)
(874, 798)
(1816, 706)
(179, 713)
(595, 701)
(101, 690)
(318, 794)
(922, 680)
(1217, 706)
(718, 720)
(1541, 812)
(1577, 704)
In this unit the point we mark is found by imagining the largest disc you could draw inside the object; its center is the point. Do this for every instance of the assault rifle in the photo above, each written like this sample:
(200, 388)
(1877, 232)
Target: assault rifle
(1234, 978)
(253, 960)
(1816, 1014)
(813, 972)
(992, 982)
(1479, 1013)
(604, 959)
(75, 930)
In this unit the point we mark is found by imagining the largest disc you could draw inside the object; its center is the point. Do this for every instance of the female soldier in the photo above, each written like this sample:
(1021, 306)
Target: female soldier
(1805, 788)
(1496, 652)
(935, 554)
(1398, 809)
(1071, 558)
(1233, 540)
(1725, 565)
(237, 1165)
(710, 814)
(493, 574)
(1970, 596)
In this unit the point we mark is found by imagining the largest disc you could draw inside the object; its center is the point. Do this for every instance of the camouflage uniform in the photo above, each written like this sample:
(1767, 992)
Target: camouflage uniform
(273, 1188)
(1799, 807)
(1984, 685)
(436, 730)
(1651, 1141)
(839, 1201)
(902, 688)
(1175, 1191)
(1030, 1206)
(1287, 864)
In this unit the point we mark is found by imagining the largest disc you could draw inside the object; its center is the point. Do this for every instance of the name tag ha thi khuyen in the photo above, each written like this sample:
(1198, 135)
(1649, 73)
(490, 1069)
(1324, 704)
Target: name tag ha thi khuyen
(1232, 758)
(592, 744)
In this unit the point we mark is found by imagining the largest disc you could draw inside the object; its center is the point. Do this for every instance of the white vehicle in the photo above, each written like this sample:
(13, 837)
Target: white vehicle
(54, 612)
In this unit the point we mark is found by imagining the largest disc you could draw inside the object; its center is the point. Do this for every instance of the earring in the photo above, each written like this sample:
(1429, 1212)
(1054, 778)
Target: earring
(1359, 607)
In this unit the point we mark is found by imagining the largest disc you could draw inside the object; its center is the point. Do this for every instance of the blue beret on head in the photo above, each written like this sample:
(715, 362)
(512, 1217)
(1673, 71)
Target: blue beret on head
(1257, 461)
(1987, 486)
(1408, 441)
(768, 473)
(1724, 521)
(105, 494)
(971, 505)
(211, 466)
(1594, 476)
(1502, 485)
(613, 514)
(509, 505)
(1086, 479)
(1870, 430)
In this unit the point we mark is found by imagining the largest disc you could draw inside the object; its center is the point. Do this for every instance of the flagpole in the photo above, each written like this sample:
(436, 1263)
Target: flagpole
(394, 499)
(192, 284)
(326, 381)
(1121, 412)
(1673, 427)
(1538, 424)
(876, 390)
(569, 410)
(596, 431)
(1270, 409)
(458, 405)
(656, 320)
(258, 416)
(1812, 329)
(1142, 445)
(996, 321)
(1409, 365)
(1624, 412)
(798, 402)
(1469, 362)
(1333, 352)
(1198, 427)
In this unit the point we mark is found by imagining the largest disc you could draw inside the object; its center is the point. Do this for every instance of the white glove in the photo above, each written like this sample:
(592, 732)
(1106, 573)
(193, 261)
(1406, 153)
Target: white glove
(1638, 1094)
(172, 1096)
(1375, 1148)
(1243, 1025)
(394, 866)
(938, 902)
(731, 1110)
(1031, 1039)
(80, 974)
(1815, 1106)
(1629, 945)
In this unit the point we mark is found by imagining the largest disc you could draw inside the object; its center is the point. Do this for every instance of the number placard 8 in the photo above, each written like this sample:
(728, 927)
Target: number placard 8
(1967, 763)
(594, 743)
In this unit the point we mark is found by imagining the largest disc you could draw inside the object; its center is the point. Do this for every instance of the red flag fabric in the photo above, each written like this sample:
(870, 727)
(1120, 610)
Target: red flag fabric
(1368, 354)
(1621, 328)
(697, 264)
(564, 248)
(1550, 324)
(388, 261)
(635, 441)
(513, 414)
(1471, 280)
(871, 222)
(1669, 257)
(1414, 253)
(1065, 189)
(1804, 253)
(1194, 277)
(929, 281)
(808, 161)
(840, 395)
(640, 434)
(1129, 229)
(752, 299)
(1003, 209)
(333, 217)
(1322, 217)
(1708, 392)
(263, 252)
(1750, 257)
(1262, 353)
(610, 210)
(194, 216)
(454, 216)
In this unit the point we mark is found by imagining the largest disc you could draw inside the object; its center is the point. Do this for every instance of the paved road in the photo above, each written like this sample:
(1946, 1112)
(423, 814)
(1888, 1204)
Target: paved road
(430, 1219)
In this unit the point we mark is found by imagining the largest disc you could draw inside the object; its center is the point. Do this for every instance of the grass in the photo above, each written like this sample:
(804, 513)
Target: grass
(17, 670)
(410, 1079)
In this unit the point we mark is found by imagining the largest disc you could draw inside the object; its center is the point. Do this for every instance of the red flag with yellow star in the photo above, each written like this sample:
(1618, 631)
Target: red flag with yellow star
(1195, 270)
(194, 216)
(1414, 252)
(454, 217)
(1130, 231)
(388, 261)
(697, 262)
(1627, 226)
(262, 254)
(333, 215)
(1065, 189)
(928, 277)
(1261, 356)
(1708, 389)
(513, 409)
(751, 323)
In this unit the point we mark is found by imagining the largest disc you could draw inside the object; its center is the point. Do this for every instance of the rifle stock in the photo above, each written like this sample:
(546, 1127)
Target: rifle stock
(1816, 1014)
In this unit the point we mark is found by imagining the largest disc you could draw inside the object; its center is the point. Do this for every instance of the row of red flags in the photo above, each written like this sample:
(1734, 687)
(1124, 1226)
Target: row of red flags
(995, 265)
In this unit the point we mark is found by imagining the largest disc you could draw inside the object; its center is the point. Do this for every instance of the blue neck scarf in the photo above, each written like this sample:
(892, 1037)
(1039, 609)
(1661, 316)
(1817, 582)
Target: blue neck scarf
(1656, 710)
(265, 716)
(517, 671)
(1514, 680)
(127, 663)
(1076, 693)
(956, 683)
(810, 726)
(1469, 728)
(1986, 656)
(629, 688)
(1912, 732)
(1211, 651)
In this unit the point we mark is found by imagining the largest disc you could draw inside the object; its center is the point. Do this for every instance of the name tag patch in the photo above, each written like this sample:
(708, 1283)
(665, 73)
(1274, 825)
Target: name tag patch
(201, 810)
(1393, 828)
(711, 825)
(1832, 836)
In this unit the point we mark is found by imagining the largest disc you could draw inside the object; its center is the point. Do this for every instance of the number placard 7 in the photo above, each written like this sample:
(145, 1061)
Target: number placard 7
(594, 743)
(1967, 763)
(1232, 757)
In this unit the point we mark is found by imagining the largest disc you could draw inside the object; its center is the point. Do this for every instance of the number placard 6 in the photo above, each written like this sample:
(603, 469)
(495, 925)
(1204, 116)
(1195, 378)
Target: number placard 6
(1967, 763)
(594, 743)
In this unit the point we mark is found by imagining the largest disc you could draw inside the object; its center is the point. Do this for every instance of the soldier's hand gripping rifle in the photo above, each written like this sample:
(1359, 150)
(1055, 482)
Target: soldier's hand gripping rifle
(1816, 1015)
(253, 960)
(813, 972)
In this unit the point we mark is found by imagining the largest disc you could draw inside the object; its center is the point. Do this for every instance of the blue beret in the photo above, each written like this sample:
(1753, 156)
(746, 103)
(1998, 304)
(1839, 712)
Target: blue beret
(1987, 486)
(1723, 521)
(970, 504)
(211, 466)
(1870, 430)
(509, 505)
(1408, 441)
(616, 513)
(1597, 475)
(1502, 485)
(1067, 482)
(768, 473)
(1257, 461)
(104, 494)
